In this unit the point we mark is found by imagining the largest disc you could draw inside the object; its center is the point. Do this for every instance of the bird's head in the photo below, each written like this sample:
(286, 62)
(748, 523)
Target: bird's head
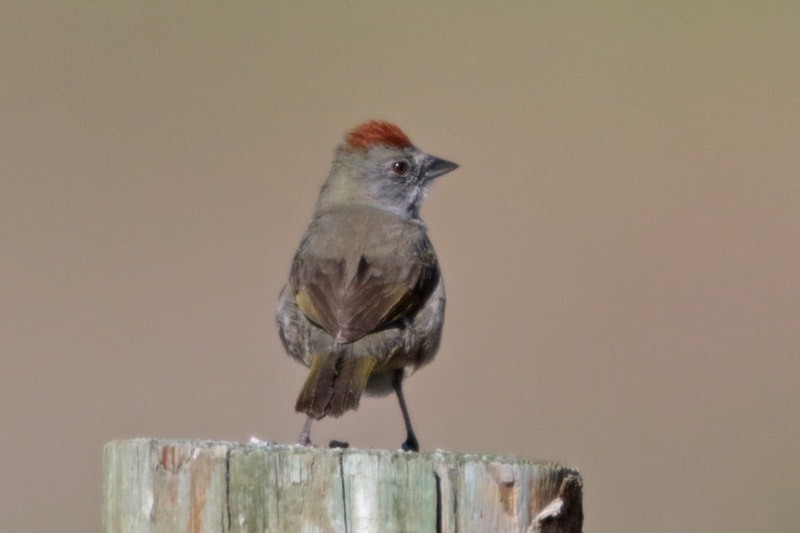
(378, 166)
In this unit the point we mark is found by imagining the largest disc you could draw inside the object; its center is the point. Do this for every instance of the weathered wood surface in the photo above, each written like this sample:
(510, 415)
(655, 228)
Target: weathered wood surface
(195, 486)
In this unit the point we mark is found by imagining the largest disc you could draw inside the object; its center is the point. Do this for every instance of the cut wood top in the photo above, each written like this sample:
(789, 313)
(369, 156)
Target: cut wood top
(177, 485)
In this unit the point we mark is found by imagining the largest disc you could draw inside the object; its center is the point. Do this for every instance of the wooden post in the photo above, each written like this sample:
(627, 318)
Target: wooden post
(193, 486)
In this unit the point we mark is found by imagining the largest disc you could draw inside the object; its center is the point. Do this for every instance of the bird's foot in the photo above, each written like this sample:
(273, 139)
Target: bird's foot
(305, 436)
(411, 444)
(338, 444)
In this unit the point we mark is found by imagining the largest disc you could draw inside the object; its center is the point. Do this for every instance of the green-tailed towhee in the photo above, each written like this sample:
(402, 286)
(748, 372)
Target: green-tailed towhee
(365, 298)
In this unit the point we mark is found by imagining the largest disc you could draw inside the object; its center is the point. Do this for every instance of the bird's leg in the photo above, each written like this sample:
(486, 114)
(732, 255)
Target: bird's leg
(411, 444)
(305, 436)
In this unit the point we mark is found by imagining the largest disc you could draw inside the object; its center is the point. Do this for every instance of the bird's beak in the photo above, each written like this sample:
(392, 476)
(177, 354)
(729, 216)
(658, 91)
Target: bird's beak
(435, 167)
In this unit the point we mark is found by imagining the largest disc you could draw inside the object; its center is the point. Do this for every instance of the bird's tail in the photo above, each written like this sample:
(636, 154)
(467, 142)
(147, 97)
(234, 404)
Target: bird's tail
(334, 384)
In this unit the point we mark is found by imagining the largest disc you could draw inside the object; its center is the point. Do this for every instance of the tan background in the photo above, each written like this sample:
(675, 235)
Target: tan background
(621, 245)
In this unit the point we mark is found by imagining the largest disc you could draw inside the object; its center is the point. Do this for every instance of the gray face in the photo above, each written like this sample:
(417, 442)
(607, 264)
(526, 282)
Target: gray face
(392, 178)
(398, 178)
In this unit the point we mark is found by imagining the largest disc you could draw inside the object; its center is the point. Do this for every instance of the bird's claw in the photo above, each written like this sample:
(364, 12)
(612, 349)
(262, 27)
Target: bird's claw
(411, 444)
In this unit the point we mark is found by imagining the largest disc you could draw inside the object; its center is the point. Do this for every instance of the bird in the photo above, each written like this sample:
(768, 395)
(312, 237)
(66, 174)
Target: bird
(365, 301)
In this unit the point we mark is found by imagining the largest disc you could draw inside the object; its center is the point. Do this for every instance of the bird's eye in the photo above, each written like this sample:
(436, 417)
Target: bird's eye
(400, 168)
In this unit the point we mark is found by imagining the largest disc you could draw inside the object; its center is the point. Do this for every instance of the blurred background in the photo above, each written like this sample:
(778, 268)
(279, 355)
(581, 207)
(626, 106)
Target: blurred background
(621, 244)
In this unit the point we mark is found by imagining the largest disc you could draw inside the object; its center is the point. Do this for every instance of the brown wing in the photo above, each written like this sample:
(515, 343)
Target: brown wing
(350, 303)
